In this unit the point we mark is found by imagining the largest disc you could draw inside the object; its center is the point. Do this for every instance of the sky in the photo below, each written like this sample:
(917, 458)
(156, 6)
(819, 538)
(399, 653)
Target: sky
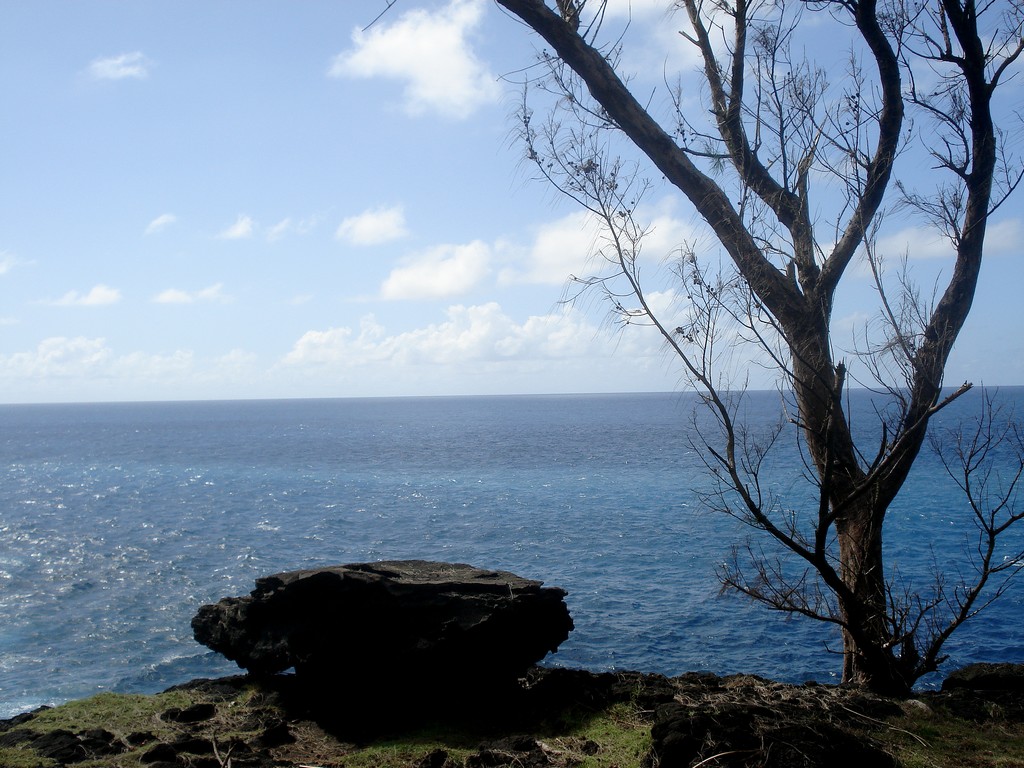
(259, 199)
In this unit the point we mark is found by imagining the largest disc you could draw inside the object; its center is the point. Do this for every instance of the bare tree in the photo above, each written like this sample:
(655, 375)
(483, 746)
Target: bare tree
(791, 172)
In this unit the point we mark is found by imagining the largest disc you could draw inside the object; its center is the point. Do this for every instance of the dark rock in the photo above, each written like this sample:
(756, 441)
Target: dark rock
(138, 738)
(99, 742)
(511, 751)
(986, 677)
(60, 745)
(437, 758)
(980, 706)
(275, 735)
(192, 745)
(216, 689)
(197, 713)
(24, 717)
(64, 746)
(397, 626)
(159, 753)
(14, 738)
(681, 736)
(514, 744)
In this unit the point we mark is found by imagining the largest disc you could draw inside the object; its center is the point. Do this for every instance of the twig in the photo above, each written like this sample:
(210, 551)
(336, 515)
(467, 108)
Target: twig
(380, 15)
(707, 760)
(225, 761)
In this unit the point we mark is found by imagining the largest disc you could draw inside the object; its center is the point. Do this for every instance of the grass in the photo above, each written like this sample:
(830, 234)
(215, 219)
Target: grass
(939, 740)
(616, 738)
(119, 713)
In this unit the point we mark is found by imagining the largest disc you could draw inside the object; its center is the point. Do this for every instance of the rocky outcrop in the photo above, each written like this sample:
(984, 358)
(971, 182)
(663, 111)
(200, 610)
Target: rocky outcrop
(984, 692)
(398, 626)
(986, 677)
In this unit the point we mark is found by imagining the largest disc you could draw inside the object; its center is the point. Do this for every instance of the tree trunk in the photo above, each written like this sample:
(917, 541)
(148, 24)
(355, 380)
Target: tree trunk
(859, 511)
(867, 656)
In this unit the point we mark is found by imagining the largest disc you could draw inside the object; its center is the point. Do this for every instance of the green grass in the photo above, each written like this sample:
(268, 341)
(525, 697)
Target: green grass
(936, 740)
(125, 714)
(16, 757)
(616, 738)
(119, 713)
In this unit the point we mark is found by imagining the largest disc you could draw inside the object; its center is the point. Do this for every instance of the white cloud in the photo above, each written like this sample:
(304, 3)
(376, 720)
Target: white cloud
(915, 243)
(287, 226)
(238, 365)
(241, 229)
(63, 368)
(308, 224)
(430, 52)
(1004, 236)
(441, 272)
(143, 366)
(560, 248)
(478, 349)
(922, 242)
(58, 356)
(375, 226)
(177, 296)
(468, 334)
(59, 359)
(319, 347)
(631, 8)
(665, 232)
(212, 293)
(658, 23)
(564, 247)
(160, 223)
(173, 296)
(8, 262)
(279, 230)
(665, 306)
(128, 65)
(98, 296)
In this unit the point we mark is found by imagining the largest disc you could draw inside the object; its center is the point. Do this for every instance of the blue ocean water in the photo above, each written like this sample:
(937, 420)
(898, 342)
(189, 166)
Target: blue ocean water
(117, 521)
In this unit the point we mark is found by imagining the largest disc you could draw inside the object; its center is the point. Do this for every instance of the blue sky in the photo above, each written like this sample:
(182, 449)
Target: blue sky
(257, 199)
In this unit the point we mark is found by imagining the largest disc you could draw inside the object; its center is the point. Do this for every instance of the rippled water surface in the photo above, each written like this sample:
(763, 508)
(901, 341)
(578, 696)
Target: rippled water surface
(118, 521)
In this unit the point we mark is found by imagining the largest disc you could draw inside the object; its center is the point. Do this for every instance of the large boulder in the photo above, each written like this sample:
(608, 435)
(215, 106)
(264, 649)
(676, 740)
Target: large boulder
(390, 626)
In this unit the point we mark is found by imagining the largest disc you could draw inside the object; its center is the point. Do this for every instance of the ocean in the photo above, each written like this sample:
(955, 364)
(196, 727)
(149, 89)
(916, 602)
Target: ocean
(117, 521)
